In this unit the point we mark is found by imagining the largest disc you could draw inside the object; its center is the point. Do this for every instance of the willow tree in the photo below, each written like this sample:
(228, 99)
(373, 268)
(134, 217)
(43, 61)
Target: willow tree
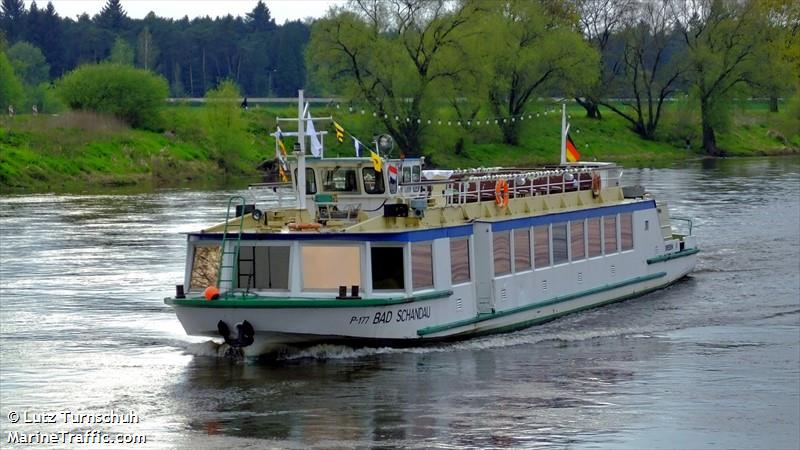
(535, 48)
(395, 55)
(723, 40)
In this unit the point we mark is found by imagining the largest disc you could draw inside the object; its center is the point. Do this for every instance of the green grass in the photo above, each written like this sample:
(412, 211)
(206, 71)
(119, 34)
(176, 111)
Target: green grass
(78, 151)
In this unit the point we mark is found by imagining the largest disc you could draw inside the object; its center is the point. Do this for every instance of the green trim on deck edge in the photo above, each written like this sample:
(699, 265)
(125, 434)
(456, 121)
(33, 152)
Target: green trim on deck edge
(680, 254)
(552, 301)
(281, 302)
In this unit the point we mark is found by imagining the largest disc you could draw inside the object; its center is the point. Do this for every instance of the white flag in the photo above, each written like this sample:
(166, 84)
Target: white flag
(358, 147)
(316, 146)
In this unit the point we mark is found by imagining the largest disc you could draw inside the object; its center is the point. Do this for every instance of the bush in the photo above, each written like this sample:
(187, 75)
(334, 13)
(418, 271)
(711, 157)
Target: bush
(11, 92)
(132, 95)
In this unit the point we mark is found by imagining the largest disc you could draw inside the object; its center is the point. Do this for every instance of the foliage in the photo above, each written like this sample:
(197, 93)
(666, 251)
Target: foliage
(11, 92)
(224, 124)
(29, 63)
(132, 95)
(121, 53)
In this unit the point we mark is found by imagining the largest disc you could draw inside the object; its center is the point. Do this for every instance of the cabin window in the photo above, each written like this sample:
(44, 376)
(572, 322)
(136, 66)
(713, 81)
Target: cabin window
(387, 268)
(593, 227)
(576, 240)
(610, 234)
(264, 267)
(421, 265)
(459, 260)
(522, 249)
(416, 174)
(205, 267)
(560, 255)
(373, 181)
(406, 174)
(502, 252)
(339, 180)
(311, 181)
(541, 246)
(328, 267)
(626, 230)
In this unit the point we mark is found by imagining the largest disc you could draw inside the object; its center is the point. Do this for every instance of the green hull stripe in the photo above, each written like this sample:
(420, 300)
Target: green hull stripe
(271, 303)
(679, 254)
(552, 301)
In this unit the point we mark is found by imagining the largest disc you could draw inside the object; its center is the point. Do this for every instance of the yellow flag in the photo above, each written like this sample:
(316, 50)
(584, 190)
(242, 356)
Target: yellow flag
(376, 160)
(339, 132)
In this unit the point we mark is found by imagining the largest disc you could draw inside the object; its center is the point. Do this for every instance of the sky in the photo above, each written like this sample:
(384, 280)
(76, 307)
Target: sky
(282, 10)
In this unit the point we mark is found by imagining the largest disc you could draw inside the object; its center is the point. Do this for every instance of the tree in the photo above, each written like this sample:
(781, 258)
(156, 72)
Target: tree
(132, 95)
(112, 17)
(535, 48)
(121, 53)
(147, 53)
(11, 92)
(260, 19)
(600, 20)
(388, 54)
(651, 67)
(722, 39)
(224, 124)
(29, 63)
(12, 18)
(781, 51)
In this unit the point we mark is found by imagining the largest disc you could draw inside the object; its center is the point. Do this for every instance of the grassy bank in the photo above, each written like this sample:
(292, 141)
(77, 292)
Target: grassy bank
(87, 152)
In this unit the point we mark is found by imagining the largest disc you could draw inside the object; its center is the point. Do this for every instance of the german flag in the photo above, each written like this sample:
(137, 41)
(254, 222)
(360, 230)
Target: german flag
(339, 132)
(572, 152)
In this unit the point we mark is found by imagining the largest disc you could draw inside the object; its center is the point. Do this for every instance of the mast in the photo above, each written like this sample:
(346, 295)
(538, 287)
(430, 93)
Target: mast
(563, 133)
(301, 154)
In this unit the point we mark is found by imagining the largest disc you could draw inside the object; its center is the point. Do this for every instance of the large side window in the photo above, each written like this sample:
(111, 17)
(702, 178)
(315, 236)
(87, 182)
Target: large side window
(560, 254)
(373, 181)
(459, 260)
(421, 265)
(263, 267)
(328, 267)
(626, 230)
(311, 181)
(387, 268)
(522, 249)
(339, 180)
(541, 246)
(595, 246)
(501, 242)
(205, 266)
(610, 234)
(577, 240)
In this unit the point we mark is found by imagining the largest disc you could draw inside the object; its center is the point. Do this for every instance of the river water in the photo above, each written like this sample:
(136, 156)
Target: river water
(711, 362)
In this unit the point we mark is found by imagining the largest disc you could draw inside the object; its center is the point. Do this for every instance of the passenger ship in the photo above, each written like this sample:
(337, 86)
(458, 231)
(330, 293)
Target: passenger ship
(361, 255)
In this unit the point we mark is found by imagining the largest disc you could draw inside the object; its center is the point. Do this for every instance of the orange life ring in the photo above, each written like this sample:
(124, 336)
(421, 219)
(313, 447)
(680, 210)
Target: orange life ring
(304, 226)
(596, 186)
(501, 193)
(211, 293)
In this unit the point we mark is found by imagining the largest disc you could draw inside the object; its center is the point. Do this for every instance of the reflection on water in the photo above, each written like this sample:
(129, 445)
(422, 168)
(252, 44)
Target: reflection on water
(709, 362)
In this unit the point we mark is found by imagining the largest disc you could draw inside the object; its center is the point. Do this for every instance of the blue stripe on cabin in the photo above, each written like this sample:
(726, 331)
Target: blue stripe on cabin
(571, 215)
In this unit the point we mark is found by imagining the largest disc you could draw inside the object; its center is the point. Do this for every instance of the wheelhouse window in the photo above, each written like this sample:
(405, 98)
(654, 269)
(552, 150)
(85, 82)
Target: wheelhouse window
(501, 242)
(595, 246)
(421, 265)
(263, 267)
(328, 267)
(205, 267)
(311, 180)
(459, 260)
(387, 268)
(577, 240)
(626, 230)
(560, 255)
(541, 246)
(339, 179)
(610, 234)
(373, 181)
(406, 174)
(522, 249)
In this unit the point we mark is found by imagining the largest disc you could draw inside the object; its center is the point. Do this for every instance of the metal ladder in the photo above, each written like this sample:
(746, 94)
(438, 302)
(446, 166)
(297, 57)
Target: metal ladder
(234, 265)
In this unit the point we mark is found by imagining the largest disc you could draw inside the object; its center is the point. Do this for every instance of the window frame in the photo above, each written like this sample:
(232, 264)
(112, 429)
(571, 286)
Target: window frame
(378, 181)
(414, 287)
(301, 256)
(403, 263)
(453, 281)
(507, 236)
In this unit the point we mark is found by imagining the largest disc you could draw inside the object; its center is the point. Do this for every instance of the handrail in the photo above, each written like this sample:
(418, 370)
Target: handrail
(684, 219)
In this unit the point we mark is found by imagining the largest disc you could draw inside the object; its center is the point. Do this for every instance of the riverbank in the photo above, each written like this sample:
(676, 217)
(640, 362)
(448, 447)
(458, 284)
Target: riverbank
(79, 152)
